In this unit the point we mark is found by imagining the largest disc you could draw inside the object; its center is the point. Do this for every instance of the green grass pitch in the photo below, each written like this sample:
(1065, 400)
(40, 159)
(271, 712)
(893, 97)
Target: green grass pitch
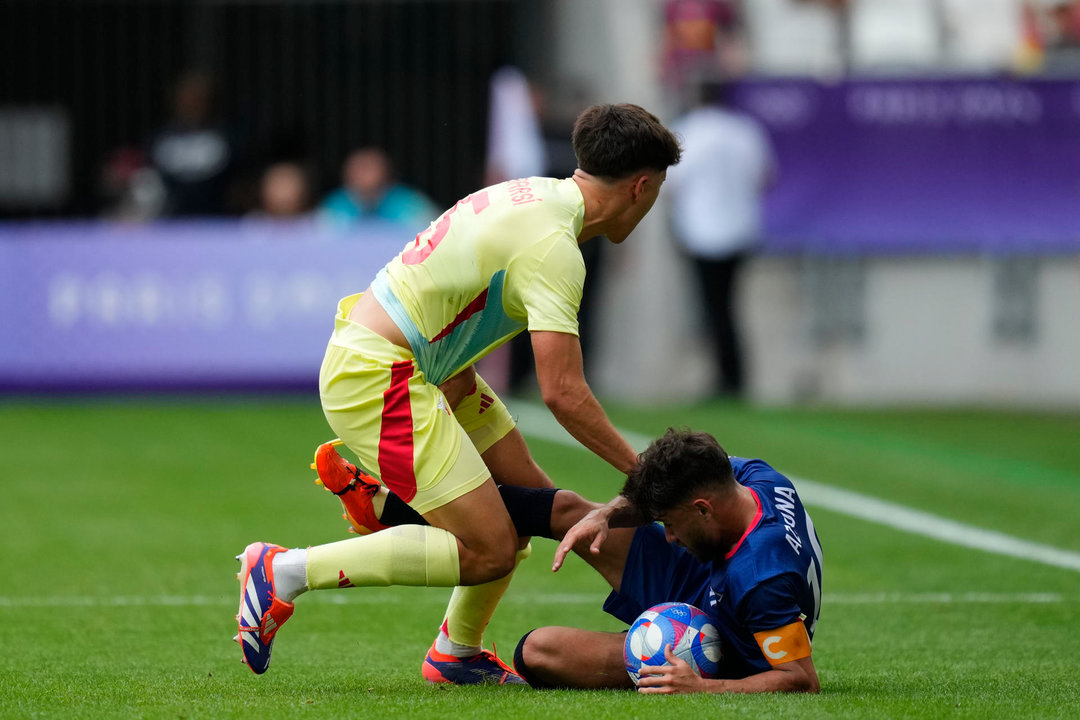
(120, 520)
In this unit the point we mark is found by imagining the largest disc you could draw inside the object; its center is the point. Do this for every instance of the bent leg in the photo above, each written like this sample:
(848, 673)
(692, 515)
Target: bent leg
(485, 535)
(492, 433)
(469, 612)
(562, 657)
(452, 552)
(511, 463)
(495, 436)
(406, 555)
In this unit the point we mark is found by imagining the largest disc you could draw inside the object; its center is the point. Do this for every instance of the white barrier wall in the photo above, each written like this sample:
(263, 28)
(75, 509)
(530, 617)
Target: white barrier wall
(963, 330)
(978, 331)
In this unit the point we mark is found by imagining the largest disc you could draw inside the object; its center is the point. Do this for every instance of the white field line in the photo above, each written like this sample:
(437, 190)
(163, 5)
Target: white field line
(537, 422)
(360, 597)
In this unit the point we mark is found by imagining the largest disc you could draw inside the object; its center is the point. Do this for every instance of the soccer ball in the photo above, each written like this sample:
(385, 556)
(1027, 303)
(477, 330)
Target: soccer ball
(686, 628)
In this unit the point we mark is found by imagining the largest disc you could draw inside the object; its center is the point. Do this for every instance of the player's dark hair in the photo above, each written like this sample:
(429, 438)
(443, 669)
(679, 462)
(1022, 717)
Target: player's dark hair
(614, 141)
(673, 468)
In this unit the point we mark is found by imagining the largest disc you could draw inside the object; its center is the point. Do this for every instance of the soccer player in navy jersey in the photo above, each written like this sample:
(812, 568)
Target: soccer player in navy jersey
(735, 541)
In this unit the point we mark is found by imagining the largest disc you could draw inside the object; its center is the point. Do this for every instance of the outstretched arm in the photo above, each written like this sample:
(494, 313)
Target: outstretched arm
(593, 528)
(562, 385)
(677, 677)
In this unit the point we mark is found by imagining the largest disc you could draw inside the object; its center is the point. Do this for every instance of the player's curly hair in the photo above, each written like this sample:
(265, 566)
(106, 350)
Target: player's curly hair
(674, 467)
(614, 141)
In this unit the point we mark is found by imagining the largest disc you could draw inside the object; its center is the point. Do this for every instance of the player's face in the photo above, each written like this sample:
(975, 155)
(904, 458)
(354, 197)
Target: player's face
(650, 191)
(644, 195)
(688, 526)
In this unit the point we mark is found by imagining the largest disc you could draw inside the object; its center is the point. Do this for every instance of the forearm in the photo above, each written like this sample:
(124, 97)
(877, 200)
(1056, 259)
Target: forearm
(768, 681)
(578, 410)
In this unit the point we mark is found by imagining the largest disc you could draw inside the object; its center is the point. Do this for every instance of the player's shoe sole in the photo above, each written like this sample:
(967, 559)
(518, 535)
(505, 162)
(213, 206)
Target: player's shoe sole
(483, 669)
(354, 487)
(261, 613)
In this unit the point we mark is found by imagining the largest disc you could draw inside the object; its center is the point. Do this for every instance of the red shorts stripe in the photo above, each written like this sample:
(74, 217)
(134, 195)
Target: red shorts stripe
(396, 436)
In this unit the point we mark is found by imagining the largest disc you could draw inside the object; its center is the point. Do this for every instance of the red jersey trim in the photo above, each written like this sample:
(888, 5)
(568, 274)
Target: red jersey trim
(750, 529)
(471, 309)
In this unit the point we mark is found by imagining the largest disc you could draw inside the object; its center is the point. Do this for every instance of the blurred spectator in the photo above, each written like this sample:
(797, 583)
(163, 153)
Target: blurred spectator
(131, 190)
(515, 147)
(1067, 19)
(1051, 36)
(715, 202)
(193, 153)
(284, 192)
(370, 191)
(701, 40)
(1063, 36)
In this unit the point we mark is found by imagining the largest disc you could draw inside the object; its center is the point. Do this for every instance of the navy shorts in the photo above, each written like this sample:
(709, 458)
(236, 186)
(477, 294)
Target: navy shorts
(657, 572)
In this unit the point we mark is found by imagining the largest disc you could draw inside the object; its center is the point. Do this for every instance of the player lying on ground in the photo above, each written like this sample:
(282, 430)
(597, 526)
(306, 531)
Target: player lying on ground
(736, 542)
(502, 260)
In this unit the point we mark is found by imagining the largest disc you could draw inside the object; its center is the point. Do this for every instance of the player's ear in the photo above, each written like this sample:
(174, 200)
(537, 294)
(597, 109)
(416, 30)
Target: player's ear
(638, 185)
(702, 506)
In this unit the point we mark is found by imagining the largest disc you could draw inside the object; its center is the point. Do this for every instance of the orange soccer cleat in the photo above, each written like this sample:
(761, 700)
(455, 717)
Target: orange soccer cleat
(353, 486)
(484, 668)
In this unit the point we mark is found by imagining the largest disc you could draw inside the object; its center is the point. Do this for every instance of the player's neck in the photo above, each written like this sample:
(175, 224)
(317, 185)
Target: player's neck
(603, 208)
(738, 513)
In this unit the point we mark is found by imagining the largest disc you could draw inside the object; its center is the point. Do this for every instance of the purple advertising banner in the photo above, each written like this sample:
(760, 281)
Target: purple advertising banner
(194, 305)
(936, 165)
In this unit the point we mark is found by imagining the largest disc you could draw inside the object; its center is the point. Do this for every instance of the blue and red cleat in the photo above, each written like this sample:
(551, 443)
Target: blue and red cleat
(482, 669)
(261, 613)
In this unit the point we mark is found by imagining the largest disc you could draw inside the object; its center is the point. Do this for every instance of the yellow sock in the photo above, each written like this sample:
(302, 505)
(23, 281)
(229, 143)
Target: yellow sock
(402, 555)
(471, 608)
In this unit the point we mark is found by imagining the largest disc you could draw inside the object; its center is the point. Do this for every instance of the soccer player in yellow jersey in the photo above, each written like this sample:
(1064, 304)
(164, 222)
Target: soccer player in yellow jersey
(398, 387)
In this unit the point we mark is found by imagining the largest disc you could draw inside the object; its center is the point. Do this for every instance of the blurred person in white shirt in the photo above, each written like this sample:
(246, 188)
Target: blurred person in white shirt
(715, 202)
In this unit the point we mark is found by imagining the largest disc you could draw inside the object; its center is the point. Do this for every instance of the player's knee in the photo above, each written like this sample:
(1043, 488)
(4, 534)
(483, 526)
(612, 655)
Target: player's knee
(534, 657)
(493, 563)
(503, 563)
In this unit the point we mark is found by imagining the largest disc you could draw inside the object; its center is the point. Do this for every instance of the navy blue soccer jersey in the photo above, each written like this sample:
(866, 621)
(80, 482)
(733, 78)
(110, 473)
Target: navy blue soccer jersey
(764, 596)
(772, 577)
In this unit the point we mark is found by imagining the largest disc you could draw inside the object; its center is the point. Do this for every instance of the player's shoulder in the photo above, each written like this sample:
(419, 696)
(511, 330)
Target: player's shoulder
(537, 193)
(775, 492)
(778, 500)
(752, 471)
(534, 206)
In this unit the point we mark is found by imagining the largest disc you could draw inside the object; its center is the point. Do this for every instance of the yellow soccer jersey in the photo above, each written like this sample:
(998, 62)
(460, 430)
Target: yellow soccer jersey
(501, 260)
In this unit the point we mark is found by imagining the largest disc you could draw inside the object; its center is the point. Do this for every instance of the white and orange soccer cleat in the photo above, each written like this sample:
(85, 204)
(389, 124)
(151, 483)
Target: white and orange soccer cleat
(261, 612)
(353, 486)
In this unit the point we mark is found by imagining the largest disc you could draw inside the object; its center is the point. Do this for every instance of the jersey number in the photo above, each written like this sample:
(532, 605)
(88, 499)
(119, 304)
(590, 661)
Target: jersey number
(815, 589)
(426, 242)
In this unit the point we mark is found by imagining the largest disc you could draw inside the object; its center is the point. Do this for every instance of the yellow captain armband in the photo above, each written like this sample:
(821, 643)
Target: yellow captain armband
(784, 644)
